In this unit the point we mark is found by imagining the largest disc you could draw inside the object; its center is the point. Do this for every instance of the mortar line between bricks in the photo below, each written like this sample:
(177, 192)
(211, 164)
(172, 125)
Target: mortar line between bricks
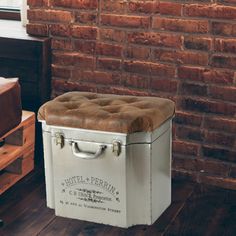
(167, 16)
(197, 2)
(210, 159)
(140, 30)
(195, 127)
(202, 142)
(207, 159)
(157, 15)
(151, 46)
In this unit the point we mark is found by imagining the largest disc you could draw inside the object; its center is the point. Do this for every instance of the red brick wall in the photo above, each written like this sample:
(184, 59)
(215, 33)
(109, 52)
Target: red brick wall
(184, 50)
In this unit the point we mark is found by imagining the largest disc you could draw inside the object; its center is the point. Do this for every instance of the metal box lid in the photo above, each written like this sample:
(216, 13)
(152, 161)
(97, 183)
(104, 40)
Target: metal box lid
(86, 135)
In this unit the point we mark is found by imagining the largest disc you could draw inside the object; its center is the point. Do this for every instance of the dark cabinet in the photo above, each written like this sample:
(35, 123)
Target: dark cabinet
(27, 58)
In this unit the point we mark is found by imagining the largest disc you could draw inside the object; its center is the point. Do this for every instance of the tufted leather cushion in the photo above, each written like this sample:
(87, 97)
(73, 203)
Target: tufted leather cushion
(106, 112)
(10, 104)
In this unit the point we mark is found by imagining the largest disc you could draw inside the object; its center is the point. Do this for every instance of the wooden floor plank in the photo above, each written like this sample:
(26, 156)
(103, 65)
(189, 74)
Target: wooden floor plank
(195, 210)
(181, 191)
(62, 226)
(29, 216)
(21, 190)
(204, 214)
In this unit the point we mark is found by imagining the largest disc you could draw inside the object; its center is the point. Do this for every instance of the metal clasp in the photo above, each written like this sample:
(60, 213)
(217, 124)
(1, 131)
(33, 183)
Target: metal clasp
(60, 140)
(116, 148)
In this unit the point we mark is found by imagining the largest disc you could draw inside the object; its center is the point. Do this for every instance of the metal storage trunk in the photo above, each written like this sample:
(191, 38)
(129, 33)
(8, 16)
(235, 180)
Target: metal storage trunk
(115, 178)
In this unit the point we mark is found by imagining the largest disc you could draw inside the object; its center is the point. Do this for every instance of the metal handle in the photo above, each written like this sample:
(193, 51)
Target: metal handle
(87, 155)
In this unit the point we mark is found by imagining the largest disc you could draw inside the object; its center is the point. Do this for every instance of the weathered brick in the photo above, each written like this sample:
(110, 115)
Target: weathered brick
(84, 4)
(85, 46)
(143, 6)
(210, 11)
(122, 91)
(89, 18)
(198, 43)
(219, 138)
(38, 3)
(202, 166)
(37, 29)
(181, 57)
(206, 106)
(84, 61)
(73, 59)
(185, 163)
(193, 89)
(186, 148)
(50, 15)
(136, 81)
(61, 71)
(109, 49)
(155, 39)
(164, 85)
(225, 45)
(63, 30)
(84, 32)
(223, 93)
(62, 86)
(187, 118)
(114, 6)
(109, 63)
(96, 77)
(181, 25)
(149, 68)
(63, 58)
(125, 20)
(137, 52)
(61, 44)
(223, 61)
(213, 167)
(219, 123)
(223, 28)
(219, 153)
(189, 133)
(170, 8)
(200, 74)
(112, 35)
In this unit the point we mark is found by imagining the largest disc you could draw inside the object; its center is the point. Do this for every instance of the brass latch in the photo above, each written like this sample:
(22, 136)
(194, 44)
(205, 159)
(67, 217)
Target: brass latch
(116, 148)
(60, 140)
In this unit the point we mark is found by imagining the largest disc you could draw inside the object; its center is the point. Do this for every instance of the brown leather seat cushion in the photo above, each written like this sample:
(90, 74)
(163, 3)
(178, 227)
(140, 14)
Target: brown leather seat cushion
(106, 112)
(10, 104)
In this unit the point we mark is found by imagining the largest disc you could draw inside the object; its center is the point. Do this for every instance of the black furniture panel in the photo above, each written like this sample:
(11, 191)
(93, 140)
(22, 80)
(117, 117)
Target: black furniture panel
(27, 58)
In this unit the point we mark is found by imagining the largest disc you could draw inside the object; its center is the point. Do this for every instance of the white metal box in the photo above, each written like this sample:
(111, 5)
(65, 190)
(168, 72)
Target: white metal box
(105, 177)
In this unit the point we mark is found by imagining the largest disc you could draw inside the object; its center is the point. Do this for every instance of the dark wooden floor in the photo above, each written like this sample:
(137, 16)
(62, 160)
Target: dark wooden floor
(195, 210)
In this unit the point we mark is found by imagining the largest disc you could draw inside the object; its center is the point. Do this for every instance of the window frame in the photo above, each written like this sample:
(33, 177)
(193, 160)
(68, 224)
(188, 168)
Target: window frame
(9, 14)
